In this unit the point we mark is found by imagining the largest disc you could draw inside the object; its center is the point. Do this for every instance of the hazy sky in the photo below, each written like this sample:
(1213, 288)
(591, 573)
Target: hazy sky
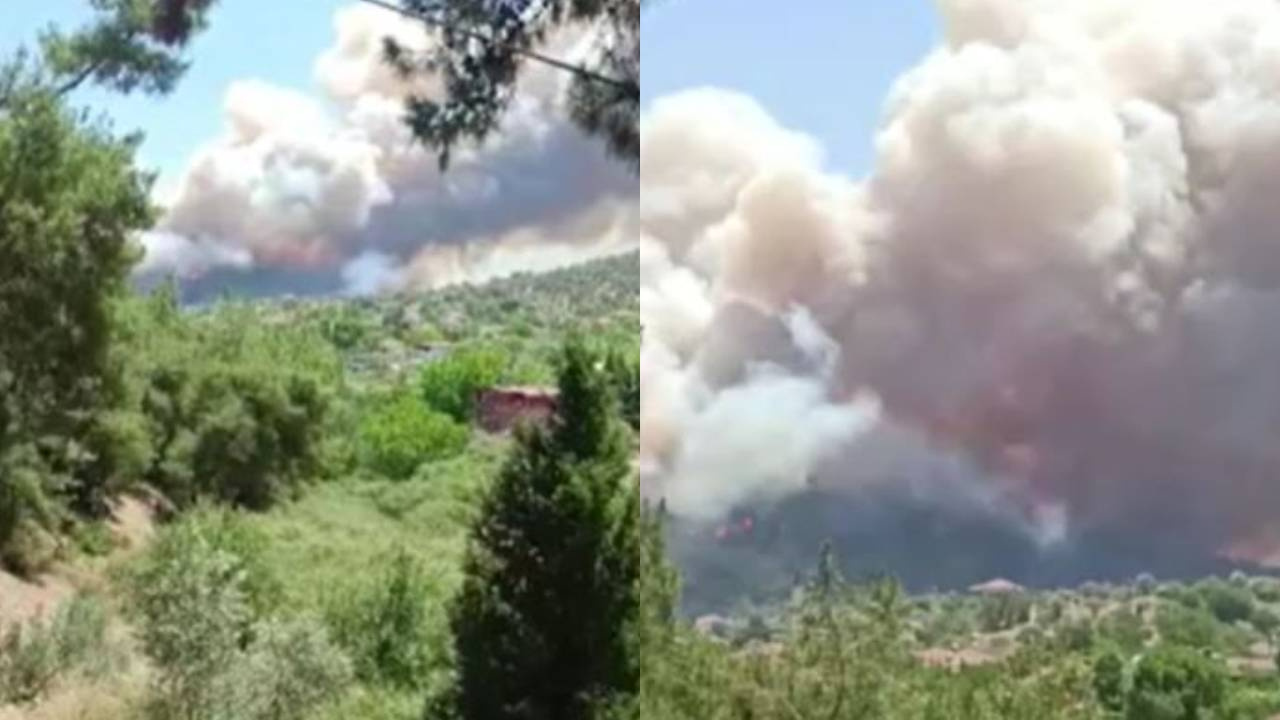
(822, 66)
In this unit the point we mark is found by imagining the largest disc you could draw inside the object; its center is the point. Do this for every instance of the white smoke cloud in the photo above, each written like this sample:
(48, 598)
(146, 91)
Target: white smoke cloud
(303, 186)
(1063, 267)
(722, 461)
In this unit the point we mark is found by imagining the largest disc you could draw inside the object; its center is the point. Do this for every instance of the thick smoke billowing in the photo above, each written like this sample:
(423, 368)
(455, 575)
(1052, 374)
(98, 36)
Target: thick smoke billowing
(1055, 303)
(307, 195)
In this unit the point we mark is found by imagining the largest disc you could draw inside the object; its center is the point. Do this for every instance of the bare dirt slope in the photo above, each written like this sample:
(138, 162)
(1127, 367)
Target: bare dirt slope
(133, 523)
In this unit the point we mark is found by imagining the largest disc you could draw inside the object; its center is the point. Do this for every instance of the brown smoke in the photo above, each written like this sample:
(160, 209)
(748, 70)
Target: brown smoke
(1063, 273)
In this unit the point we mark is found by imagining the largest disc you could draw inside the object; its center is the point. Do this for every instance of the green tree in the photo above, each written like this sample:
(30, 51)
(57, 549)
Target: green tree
(1176, 683)
(483, 47)
(404, 433)
(450, 385)
(69, 200)
(128, 46)
(545, 625)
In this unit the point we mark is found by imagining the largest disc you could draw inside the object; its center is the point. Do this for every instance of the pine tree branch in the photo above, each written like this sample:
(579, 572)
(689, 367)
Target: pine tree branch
(632, 89)
(79, 78)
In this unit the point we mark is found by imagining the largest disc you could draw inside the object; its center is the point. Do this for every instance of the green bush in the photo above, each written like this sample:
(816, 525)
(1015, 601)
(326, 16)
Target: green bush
(1180, 625)
(1125, 629)
(1004, 611)
(200, 607)
(234, 408)
(1265, 620)
(1251, 703)
(1266, 590)
(244, 436)
(385, 626)
(29, 510)
(1109, 680)
(289, 670)
(403, 434)
(450, 385)
(1229, 602)
(1176, 684)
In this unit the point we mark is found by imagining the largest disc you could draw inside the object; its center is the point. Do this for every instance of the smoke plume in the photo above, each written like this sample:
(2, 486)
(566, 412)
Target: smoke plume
(1054, 304)
(309, 194)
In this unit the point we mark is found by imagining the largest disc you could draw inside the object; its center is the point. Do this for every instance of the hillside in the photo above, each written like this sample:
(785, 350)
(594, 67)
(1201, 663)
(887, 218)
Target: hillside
(388, 493)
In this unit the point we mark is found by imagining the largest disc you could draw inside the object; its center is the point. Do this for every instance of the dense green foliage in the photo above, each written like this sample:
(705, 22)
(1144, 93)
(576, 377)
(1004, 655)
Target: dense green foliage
(384, 626)
(233, 410)
(404, 433)
(69, 198)
(450, 385)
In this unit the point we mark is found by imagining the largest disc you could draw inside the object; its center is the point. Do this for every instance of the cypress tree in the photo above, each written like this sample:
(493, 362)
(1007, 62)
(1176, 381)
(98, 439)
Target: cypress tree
(545, 625)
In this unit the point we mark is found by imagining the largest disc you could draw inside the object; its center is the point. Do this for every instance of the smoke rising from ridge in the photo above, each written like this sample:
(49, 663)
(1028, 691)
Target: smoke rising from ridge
(1060, 286)
(305, 193)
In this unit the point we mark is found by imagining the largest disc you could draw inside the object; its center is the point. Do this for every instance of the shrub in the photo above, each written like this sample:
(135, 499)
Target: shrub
(1145, 583)
(235, 409)
(194, 615)
(36, 654)
(1108, 680)
(384, 626)
(1229, 603)
(1124, 628)
(1180, 625)
(290, 669)
(244, 436)
(29, 511)
(403, 434)
(1178, 684)
(1247, 703)
(200, 601)
(1076, 636)
(450, 385)
(1266, 589)
(1002, 612)
(1265, 620)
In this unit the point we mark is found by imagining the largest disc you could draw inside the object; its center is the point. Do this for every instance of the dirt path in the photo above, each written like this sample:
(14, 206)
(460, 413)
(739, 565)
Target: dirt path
(133, 523)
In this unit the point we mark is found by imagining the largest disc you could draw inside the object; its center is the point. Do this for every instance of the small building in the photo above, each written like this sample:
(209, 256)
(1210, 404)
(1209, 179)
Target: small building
(500, 409)
(999, 586)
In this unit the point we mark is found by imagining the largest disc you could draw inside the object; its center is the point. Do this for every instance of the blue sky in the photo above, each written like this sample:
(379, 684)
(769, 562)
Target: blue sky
(821, 66)
(276, 41)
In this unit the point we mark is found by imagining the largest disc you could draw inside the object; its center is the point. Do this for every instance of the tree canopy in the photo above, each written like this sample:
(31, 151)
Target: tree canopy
(128, 46)
(484, 46)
